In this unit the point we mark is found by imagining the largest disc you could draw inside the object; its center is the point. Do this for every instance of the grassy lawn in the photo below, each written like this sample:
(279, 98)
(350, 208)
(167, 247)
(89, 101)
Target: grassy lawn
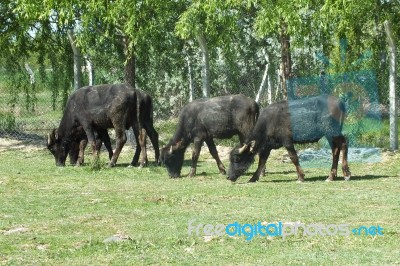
(56, 216)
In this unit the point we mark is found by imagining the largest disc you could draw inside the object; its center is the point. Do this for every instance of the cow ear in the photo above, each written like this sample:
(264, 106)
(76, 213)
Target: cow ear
(177, 146)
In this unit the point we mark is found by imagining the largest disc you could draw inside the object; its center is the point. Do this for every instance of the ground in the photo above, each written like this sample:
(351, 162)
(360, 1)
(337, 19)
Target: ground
(131, 216)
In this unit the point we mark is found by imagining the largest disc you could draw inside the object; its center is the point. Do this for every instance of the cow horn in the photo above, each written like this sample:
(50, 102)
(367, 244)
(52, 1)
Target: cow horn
(252, 145)
(171, 149)
(48, 139)
(243, 148)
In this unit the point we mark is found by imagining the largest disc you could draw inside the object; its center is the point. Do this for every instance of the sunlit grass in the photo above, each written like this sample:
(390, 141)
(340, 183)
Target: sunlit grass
(64, 214)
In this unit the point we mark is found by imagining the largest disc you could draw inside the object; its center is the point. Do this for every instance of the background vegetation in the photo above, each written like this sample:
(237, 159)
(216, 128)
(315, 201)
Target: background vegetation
(181, 50)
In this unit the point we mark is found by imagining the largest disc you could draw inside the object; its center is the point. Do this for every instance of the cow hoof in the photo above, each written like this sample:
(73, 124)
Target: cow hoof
(110, 165)
(347, 178)
(328, 180)
(130, 166)
(222, 172)
(252, 181)
(299, 181)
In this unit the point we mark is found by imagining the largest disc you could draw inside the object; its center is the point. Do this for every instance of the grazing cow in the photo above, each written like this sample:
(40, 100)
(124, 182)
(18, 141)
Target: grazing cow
(145, 121)
(206, 119)
(285, 123)
(97, 108)
(78, 145)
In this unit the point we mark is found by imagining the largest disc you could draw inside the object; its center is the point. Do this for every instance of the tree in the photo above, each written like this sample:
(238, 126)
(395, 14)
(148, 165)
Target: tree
(210, 23)
(281, 20)
(394, 133)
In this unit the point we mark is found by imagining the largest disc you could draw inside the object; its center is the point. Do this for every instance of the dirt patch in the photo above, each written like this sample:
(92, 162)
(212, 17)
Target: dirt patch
(11, 144)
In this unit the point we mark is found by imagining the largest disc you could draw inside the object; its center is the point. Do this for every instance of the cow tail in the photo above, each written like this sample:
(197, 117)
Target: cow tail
(150, 111)
(257, 113)
(342, 108)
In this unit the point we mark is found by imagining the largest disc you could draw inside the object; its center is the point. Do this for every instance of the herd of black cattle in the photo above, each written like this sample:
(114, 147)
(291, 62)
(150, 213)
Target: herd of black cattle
(92, 110)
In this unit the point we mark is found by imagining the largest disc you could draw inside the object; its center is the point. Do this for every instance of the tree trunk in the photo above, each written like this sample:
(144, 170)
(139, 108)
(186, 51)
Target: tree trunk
(205, 73)
(286, 58)
(77, 60)
(269, 90)
(191, 85)
(90, 70)
(264, 79)
(130, 64)
(394, 132)
(30, 72)
(278, 81)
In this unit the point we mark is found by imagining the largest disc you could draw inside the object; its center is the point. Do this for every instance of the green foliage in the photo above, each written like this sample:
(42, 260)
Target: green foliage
(160, 36)
(7, 122)
(96, 164)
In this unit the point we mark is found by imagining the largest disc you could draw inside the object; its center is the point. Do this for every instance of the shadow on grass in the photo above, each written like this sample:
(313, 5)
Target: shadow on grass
(150, 164)
(323, 178)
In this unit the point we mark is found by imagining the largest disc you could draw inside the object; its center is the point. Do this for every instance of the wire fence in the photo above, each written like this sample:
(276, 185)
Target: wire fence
(29, 110)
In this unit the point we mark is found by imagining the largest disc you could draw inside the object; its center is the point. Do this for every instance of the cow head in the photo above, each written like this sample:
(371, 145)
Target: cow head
(58, 147)
(241, 157)
(172, 156)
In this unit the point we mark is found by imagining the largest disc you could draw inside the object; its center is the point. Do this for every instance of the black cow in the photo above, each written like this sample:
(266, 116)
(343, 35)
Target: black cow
(145, 121)
(285, 123)
(206, 119)
(78, 145)
(97, 108)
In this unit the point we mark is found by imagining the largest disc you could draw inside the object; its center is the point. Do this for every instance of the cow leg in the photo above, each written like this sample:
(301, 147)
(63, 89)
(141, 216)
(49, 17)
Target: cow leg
(81, 154)
(345, 165)
(73, 153)
(195, 156)
(91, 139)
(262, 160)
(295, 160)
(135, 158)
(120, 138)
(103, 134)
(99, 143)
(153, 135)
(335, 147)
(142, 142)
(213, 150)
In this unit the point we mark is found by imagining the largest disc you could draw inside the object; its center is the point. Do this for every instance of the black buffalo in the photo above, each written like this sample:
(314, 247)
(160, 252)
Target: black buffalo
(206, 119)
(145, 125)
(285, 123)
(79, 143)
(95, 109)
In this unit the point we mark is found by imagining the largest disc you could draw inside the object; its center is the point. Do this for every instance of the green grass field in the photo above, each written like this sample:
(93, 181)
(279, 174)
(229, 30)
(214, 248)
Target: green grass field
(61, 216)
